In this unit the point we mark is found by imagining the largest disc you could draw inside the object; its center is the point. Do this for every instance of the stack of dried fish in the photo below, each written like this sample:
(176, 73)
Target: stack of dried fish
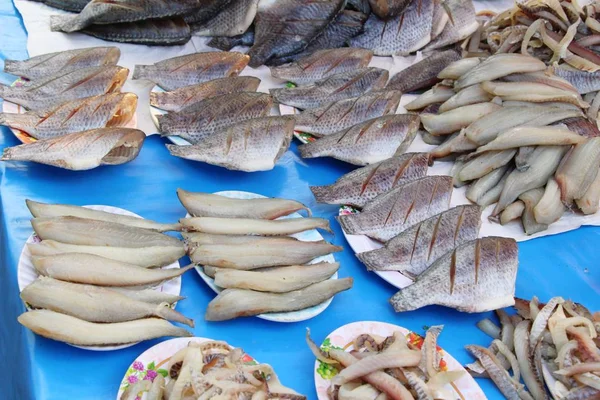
(388, 368)
(211, 370)
(96, 274)
(239, 241)
(75, 109)
(551, 346)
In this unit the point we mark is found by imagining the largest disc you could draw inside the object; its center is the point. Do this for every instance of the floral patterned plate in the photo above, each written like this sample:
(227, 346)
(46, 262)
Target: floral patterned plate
(307, 236)
(26, 273)
(153, 362)
(465, 388)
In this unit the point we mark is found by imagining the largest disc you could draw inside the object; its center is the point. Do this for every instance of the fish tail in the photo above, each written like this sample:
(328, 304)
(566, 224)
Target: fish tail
(322, 193)
(11, 66)
(4, 91)
(401, 302)
(166, 312)
(349, 223)
(18, 121)
(10, 153)
(141, 71)
(64, 23)
(260, 53)
(306, 151)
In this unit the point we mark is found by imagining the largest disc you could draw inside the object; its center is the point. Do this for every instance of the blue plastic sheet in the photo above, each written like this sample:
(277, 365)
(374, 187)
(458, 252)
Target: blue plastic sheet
(35, 367)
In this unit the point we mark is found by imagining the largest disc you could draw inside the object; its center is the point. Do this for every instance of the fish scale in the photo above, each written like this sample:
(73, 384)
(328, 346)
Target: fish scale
(160, 32)
(232, 20)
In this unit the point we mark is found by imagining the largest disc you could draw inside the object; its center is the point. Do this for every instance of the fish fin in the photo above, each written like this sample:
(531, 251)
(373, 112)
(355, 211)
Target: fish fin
(321, 193)
(7, 154)
(63, 23)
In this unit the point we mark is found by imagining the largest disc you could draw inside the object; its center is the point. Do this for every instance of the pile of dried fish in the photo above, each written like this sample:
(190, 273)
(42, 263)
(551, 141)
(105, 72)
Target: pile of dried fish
(75, 110)
(246, 250)
(388, 368)
(552, 346)
(211, 370)
(96, 277)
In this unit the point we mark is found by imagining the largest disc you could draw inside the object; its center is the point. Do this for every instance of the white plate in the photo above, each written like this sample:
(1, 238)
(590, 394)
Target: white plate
(343, 336)
(26, 273)
(24, 137)
(156, 357)
(307, 236)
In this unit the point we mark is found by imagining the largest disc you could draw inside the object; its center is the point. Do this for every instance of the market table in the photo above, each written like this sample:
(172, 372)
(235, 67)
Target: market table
(39, 368)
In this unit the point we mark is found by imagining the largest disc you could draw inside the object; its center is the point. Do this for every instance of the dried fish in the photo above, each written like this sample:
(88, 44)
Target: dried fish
(456, 119)
(227, 43)
(487, 189)
(522, 158)
(512, 212)
(158, 32)
(458, 68)
(247, 226)
(497, 66)
(234, 19)
(471, 95)
(485, 163)
(582, 126)
(148, 295)
(423, 74)
(533, 92)
(462, 23)
(531, 136)
(583, 81)
(588, 203)
(196, 239)
(578, 170)
(455, 143)
(549, 208)
(377, 362)
(386, 9)
(531, 198)
(437, 94)
(67, 5)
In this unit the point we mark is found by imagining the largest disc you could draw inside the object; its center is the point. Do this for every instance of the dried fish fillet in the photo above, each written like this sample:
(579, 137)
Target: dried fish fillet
(148, 295)
(532, 92)
(455, 143)
(471, 95)
(456, 119)
(531, 136)
(512, 212)
(497, 66)
(578, 170)
(233, 303)
(531, 198)
(247, 226)
(589, 202)
(477, 276)
(196, 239)
(583, 81)
(393, 212)
(550, 208)
(234, 19)
(424, 73)
(157, 32)
(485, 163)
(437, 94)
(487, 189)
(458, 68)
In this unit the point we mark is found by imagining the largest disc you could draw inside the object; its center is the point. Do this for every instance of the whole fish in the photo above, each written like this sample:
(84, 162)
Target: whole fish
(92, 303)
(336, 87)
(287, 26)
(368, 142)
(322, 64)
(107, 110)
(96, 270)
(462, 24)
(387, 9)
(83, 150)
(477, 276)
(114, 11)
(88, 232)
(67, 86)
(203, 119)
(498, 66)
(578, 170)
(233, 303)
(248, 226)
(181, 98)
(423, 74)
(344, 114)
(214, 205)
(234, 19)
(226, 43)
(252, 145)
(67, 5)
(65, 328)
(265, 253)
(364, 184)
(45, 210)
(393, 212)
(583, 81)
(64, 61)
(146, 257)
(403, 35)
(176, 72)
(454, 120)
(157, 32)
(415, 249)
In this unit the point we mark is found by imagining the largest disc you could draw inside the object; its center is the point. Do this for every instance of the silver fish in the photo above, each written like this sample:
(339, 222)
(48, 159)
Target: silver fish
(549, 208)
(108, 110)
(530, 199)
(369, 142)
(248, 226)
(477, 276)
(186, 96)
(158, 32)
(364, 184)
(336, 87)
(424, 73)
(252, 145)
(234, 19)
(386, 9)
(67, 86)
(176, 72)
(49, 64)
(322, 64)
(201, 120)
(233, 303)
(462, 23)
(346, 113)
(497, 66)
(578, 170)
(456, 119)
(485, 163)
(88, 232)
(393, 212)
(92, 303)
(470, 95)
(65, 328)
(415, 249)
(82, 150)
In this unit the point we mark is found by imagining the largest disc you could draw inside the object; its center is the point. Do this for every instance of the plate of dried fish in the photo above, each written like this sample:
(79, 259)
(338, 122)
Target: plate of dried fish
(430, 371)
(186, 367)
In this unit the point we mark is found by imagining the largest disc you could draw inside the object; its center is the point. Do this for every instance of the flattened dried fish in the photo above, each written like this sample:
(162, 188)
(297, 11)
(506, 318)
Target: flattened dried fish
(64, 61)
(252, 145)
(477, 276)
(415, 249)
(205, 11)
(393, 212)
(247, 226)
(233, 303)
(108, 110)
(497, 66)
(588, 204)
(158, 32)
(512, 212)
(462, 23)
(582, 126)
(369, 142)
(455, 143)
(148, 295)
(191, 69)
(423, 74)
(549, 208)
(82, 150)
(186, 96)
(213, 205)
(522, 157)
(578, 170)
(195, 239)
(456, 119)
(437, 94)
(336, 87)
(486, 190)
(234, 19)
(364, 184)
(228, 43)
(458, 68)
(471, 95)
(533, 92)
(72, 330)
(201, 120)
(322, 64)
(485, 163)
(530, 198)
(346, 113)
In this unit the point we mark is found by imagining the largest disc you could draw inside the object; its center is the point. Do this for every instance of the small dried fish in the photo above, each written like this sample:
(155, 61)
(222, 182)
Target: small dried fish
(578, 170)
(424, 73)
(233, 303)
(247, 226)
(497, 66)
(234, 19)
(531, 198)
(531, 136)
(456, 119)
(157, 32)
(82, 150)
(512, 212)
(477, 276)
(485, 163)
(458, 68)
(437, 94)
(533, 92)
(471, 95)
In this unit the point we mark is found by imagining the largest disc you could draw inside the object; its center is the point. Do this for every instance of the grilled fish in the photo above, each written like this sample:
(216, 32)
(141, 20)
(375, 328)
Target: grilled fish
(423, 74)
(158, 32)
(234, 19)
